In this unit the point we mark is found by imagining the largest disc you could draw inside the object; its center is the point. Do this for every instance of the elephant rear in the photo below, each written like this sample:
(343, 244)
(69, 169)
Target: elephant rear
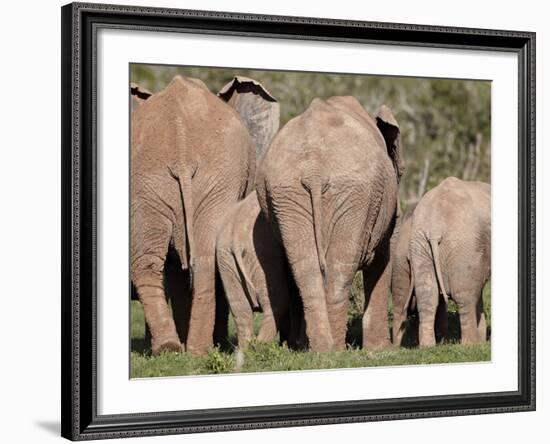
(253, 272)
(192, 158)
(328, 186)
(450, 253)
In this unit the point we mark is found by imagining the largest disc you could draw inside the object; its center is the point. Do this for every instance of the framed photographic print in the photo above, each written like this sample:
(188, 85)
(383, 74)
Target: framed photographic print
(278, 221)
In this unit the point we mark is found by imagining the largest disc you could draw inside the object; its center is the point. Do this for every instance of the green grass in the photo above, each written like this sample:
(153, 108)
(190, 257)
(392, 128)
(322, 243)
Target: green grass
(273, 357)
(262, 357)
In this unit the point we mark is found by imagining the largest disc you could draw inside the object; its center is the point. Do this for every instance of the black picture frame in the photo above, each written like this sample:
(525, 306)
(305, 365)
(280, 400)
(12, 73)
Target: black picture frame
(79, 171)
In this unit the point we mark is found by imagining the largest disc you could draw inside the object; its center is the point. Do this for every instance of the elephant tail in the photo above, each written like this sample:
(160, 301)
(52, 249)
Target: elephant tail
(248, 283)
(434, 245)
(409, 300)
(313, 185)
(186, 191)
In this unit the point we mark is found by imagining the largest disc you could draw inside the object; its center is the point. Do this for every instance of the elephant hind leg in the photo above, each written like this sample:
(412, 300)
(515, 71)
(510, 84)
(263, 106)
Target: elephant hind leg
(338, 291)
(164, 336)
(481, 321)
(268, 328)
(238, 302)
(203, 307)
(312, 292)
(469, 333)
(427, 296)
(377, 280)
(150, 235)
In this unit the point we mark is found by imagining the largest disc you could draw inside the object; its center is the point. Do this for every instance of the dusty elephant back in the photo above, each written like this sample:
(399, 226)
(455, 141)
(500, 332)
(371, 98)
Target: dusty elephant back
(456, 215)
(330, 136)
(336, 143)
(185, 124)
(453, 205)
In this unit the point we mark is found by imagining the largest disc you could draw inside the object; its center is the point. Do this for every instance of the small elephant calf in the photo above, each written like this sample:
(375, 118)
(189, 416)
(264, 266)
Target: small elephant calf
(450, 254)
(402, 285)
(253, 270)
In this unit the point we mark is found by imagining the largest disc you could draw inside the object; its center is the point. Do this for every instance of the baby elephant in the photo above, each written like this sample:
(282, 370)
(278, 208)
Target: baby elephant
(450, 254)
(252, 267)
(402, 288)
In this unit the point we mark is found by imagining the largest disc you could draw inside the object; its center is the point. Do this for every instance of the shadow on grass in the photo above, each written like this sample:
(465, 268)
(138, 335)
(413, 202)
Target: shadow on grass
(410, 338)
(354, 335)
(142, 345)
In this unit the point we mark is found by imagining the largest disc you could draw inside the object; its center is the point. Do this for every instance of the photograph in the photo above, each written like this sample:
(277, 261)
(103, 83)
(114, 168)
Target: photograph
(292, 220)
(274, 222)
(282, 221)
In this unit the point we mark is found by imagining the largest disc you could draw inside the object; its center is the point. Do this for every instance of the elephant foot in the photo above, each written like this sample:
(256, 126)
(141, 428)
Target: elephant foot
(376, 335)
(266, 336)
(170, 344)
(426, 336)
(322, 345)
(377, 344)
(339, 343)
(199, 351)
(470, 340)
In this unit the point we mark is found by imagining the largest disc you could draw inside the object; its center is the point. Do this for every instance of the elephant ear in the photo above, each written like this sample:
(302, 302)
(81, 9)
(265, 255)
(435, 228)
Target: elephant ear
(138, 95)
(389, 128)
(257, 107)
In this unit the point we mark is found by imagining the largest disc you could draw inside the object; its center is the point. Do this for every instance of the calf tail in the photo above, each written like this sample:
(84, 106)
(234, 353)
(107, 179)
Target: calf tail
(247, 282)
(434, 245)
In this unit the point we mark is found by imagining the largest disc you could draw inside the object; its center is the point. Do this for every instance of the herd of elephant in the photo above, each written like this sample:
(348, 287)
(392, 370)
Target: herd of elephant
(285, 218)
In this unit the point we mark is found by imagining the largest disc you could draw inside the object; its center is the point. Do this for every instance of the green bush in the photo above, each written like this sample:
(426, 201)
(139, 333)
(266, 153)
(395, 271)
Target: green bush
(218, 362)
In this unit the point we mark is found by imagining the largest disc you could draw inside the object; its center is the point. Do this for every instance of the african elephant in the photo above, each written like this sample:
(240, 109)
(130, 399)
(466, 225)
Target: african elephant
(250, 261)
(402, 290)
(450, 253)
(328, 186)
(253, 269)
(192, 158)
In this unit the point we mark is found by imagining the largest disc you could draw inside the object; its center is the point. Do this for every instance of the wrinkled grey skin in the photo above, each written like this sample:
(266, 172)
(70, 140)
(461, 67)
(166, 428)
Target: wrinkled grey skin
(192, 158)
(402, 289)
(252, 266)
(450, 253)
(251, 263)
(328, 186)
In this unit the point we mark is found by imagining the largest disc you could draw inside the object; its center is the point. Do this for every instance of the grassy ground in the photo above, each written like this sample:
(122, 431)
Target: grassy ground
(274, 357)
